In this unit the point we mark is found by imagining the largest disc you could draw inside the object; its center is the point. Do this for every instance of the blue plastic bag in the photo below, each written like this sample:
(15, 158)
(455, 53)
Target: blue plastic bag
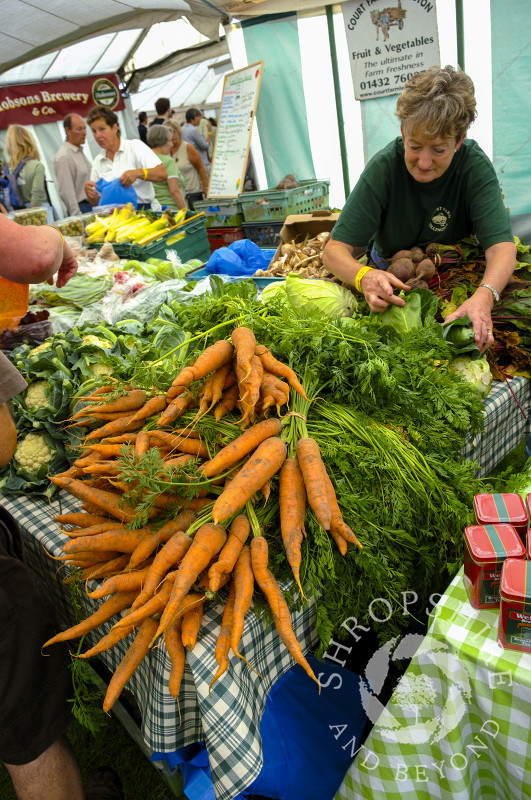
(113, 193)
(242, 257)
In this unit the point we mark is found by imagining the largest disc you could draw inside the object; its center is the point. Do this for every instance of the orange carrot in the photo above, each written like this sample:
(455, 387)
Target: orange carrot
(149, 543)
(132, 659)
(131, 401)
(106, 570)
(177, 654)
(227, 402)
(210, 360)
(219, 379)
(99, 498)
(262, 465)
(338, 526)
(278, 368)
(110, 525)
(232, 453)
(238, 533)
(207, 543)
(243, 581)
(244, 343)
(110, 639)
(175, 409)
(223, 643)
(81, 519)
(314, 474)
(167, 557)
(292, 501)
(249, 387)
(105, 468)
(185, 445)
(152, 406)
(123, 438)
(267, 583)
(125, 582)
(154, 605)
(123, 541)
(191, 623)
(108, 609)
(90, 457)
(115, 427)
(108, 450)
(142, 443)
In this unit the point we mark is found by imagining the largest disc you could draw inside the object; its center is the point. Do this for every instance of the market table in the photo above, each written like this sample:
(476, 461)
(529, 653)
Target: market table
(457, 726)
(228, 721)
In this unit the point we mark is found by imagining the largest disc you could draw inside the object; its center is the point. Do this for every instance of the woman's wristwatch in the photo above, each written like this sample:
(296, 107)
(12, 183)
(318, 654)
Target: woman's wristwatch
(495, 292)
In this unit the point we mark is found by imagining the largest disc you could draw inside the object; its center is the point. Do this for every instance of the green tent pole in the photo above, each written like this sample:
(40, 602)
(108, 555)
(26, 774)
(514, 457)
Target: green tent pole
(460, 26)
(339, 106)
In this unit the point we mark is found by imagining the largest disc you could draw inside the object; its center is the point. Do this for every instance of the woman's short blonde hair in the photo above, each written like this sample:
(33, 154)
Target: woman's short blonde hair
(19, 144)
(173, 124)
(437, 102)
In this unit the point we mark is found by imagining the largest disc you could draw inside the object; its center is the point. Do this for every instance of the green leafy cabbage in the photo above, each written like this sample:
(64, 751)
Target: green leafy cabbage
(319, 296)
(474, 370)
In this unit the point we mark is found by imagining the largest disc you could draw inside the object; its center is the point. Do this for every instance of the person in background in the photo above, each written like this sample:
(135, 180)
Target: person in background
(142, 127)
(190, 164)
(31, 178)
(214, 129)
(431, 184)
(191, 133)
(72, 167)
(163, 109)
(34, 688)
(170, 192)
(130, 160)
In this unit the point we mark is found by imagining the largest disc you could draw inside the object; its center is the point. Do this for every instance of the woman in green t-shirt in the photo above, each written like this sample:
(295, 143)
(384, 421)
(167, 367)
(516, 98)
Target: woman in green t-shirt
(169, 192)
(431, 184)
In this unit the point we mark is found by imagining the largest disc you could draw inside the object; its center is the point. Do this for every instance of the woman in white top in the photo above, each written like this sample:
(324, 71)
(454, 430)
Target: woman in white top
(191, 166)
(130, 160)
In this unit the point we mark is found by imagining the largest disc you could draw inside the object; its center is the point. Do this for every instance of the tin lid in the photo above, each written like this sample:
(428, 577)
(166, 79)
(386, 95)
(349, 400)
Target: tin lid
(487, 543)
(493, 508)
(515, 584)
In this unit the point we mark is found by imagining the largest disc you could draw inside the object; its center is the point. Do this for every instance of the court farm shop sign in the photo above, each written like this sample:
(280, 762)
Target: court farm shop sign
(388, 42)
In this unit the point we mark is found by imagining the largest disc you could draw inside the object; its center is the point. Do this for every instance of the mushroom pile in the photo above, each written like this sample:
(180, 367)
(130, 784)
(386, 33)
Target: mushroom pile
(304, 259)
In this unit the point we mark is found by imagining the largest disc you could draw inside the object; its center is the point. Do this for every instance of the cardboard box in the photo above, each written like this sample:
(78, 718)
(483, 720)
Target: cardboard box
(298, 226)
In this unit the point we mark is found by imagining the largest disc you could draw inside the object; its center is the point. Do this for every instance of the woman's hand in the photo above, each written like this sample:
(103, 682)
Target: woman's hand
(477, 308)
(378, 287)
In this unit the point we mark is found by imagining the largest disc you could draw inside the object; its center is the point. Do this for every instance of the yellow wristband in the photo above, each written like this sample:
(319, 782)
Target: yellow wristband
(357, 280)
(58, 231)
(145, 173)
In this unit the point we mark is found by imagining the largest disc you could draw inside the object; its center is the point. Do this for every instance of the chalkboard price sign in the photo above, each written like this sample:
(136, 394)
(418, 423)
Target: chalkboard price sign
(233, 137)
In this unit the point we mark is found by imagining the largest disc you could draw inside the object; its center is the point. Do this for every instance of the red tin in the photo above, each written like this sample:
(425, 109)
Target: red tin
(514, 626)
(492, 509)
(486, 549)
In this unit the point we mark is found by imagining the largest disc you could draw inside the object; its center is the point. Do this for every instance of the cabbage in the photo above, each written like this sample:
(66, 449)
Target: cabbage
(329, 299)
(275, 291)
(475, 371)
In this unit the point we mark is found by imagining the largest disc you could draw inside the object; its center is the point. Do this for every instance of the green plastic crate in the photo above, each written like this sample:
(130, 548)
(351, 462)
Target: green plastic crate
(277, 204)
(221, 214)
(194, 243)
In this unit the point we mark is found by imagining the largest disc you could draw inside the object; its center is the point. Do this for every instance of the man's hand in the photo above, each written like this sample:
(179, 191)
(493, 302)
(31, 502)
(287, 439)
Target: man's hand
(67, 269)
(93, 196)
(130, 176)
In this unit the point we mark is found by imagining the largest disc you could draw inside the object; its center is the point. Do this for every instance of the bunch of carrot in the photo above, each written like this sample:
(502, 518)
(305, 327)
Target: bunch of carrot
(194, 541)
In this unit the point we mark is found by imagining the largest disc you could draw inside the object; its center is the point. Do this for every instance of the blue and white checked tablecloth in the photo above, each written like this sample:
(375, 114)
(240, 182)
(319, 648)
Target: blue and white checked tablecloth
(457, 726)
(228, 721)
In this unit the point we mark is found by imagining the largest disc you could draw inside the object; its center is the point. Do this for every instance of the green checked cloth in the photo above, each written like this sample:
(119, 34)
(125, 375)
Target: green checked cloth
(457, 726)
(228, 719)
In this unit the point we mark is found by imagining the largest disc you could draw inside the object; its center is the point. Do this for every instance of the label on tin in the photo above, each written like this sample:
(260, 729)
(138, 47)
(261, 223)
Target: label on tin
(518, 628)
(490, 587)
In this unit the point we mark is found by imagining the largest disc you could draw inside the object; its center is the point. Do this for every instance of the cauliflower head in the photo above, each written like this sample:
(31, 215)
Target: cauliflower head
(36, 395)
(32, 454)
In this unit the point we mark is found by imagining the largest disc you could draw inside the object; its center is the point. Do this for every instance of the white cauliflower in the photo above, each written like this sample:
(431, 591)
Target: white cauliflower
(36, 395)
(100, 369)
(40, 349)
(31, 453)
(96, 341)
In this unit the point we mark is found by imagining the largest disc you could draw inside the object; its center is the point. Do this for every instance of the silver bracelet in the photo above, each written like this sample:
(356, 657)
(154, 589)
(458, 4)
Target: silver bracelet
(495, 292)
